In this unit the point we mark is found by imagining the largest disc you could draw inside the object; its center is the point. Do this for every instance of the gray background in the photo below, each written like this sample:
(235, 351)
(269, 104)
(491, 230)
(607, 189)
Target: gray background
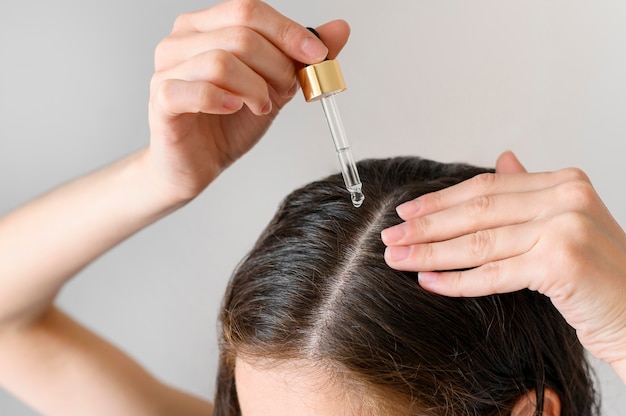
(449, 80)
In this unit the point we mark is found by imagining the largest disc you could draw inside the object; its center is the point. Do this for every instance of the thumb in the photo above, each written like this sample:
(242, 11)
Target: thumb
(334, 35)
(508, 163)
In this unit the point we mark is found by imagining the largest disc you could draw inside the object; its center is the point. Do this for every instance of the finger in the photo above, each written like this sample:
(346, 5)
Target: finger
(175, 97)
(293, 39)
(225, 71)
(496, 210)
(245, 44)
(469, 250)
(334, 35)
(486, 184)
(509, 163)
(503, 276)
(480, 213)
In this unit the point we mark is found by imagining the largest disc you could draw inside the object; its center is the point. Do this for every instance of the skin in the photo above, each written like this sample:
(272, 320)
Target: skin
(213, 95)
(288, 388)
(548, 232)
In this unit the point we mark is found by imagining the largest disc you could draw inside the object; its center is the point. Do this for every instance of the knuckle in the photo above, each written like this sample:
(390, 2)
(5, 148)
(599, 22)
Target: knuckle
(426, 255)
(483, 182)
(577, 194)
(171, 95)
(456, 283)
(491, 275)
(478, 206)
(573, 174)
(482, 281)
(283, 33)
(202, 98)
(166, 92)
(420, 227)
(243, 39)
(244, 11)
(163, 50)
(181, 22)
(433, 200)
(481, 244)
(219, 62)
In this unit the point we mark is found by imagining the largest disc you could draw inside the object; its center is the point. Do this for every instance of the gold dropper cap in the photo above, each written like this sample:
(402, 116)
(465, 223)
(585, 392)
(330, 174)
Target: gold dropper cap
(321, 80)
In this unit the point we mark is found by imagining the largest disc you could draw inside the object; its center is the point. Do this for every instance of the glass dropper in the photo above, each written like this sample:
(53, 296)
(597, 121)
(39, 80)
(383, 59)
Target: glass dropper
(322, 82)
(346, 161)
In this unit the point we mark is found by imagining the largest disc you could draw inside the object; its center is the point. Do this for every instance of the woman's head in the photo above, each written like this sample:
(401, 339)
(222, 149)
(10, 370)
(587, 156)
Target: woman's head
(315, 309)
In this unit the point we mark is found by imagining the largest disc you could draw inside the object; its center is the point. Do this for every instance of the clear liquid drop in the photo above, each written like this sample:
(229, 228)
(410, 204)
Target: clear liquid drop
(357, 198)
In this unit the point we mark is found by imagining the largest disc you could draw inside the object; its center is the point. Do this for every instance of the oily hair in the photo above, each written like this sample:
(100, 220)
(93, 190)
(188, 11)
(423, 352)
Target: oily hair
(316, 287)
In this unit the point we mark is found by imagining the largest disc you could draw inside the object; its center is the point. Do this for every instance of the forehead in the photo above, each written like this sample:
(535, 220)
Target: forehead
(288, 388)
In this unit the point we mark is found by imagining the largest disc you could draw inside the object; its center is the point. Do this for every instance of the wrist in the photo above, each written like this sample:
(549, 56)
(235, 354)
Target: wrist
(170, 183)
(162, 196)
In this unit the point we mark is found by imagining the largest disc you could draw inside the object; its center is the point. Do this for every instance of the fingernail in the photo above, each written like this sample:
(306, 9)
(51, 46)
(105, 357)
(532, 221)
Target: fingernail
(409, 208)
(427, 277)
(393, 234)
(314, 49)
(397, 253)
(267, 107)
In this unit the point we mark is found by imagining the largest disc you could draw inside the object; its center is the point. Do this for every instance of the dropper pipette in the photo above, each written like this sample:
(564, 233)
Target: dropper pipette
(322, 82)
(348, 167)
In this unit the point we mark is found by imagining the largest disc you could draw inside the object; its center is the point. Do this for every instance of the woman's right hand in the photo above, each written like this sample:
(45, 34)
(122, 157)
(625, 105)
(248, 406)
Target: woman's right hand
(220, 79)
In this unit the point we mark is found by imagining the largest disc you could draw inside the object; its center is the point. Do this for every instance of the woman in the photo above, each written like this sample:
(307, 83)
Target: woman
(221, 77)
(315, 302)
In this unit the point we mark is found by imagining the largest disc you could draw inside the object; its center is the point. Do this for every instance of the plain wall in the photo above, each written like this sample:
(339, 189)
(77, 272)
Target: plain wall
(449, 80)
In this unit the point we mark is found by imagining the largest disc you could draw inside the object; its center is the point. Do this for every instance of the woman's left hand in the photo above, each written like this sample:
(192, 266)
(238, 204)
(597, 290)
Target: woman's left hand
(511, 230)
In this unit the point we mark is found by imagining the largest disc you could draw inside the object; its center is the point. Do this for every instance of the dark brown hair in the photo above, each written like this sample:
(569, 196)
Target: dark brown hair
(315, 286)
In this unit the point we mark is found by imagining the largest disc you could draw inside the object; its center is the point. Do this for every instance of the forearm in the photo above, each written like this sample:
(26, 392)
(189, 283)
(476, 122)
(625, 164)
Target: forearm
(47, 241)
